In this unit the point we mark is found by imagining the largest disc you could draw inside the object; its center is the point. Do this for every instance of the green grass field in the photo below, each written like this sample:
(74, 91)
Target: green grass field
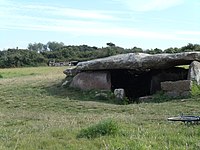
(37, 113)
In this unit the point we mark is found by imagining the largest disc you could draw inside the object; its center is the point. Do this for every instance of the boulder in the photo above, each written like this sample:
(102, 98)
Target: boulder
(177, 88)
(139, 61)
(194, 72)
(70, 72)
(92, 80)
(182, 85)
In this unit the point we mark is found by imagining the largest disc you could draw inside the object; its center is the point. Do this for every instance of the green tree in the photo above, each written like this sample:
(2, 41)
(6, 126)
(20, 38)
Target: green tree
(21, 58)
(38, 47)
(154, 51)
(136, 50)
(172, 50)
(110, 44)
(52, 46)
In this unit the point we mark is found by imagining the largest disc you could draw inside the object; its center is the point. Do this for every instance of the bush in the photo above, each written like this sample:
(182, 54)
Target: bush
(124, 101)
(21, 58)
(1, 76)
(106, 127)
(195, 89)
(160, 97)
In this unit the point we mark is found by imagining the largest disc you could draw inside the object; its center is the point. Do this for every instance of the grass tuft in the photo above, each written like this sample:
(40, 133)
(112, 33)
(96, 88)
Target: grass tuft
(105, 127)
(160, 97)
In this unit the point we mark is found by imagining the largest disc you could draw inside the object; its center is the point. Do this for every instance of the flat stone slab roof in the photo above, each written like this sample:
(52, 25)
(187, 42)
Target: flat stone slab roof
(139, 61)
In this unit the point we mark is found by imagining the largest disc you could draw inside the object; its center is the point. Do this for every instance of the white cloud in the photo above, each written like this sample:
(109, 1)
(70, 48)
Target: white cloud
(26, 20)
(57, 11)
(191, 33)
(80, 22)
(71, 12)
(84, 28)
(85, 14)
(150, 5)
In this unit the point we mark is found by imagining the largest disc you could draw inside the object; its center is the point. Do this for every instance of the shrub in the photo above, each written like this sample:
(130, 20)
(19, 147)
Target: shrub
(124, 101)
(160, 97)
(195, 89)
(106, 127)
(1, 76)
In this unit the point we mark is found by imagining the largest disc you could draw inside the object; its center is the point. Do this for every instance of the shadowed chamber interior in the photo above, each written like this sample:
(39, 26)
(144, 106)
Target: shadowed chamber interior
(137, 84)
(134, 84)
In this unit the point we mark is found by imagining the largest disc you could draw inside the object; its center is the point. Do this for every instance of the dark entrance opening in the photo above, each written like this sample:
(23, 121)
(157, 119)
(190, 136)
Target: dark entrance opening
(142, 83)
(169, 74)
(135, 84)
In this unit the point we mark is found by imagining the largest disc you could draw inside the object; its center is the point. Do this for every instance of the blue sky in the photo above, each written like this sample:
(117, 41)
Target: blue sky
(127, 23)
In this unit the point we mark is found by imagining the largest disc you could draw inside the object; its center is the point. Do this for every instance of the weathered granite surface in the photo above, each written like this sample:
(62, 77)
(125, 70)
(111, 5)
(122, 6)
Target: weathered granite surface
(139, 61)
(134, 69)
(177, 88)
(194, 72)
(92, 80)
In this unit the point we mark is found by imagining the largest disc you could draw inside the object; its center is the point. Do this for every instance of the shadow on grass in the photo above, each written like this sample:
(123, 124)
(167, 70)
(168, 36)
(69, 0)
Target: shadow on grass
(161, 97)
(57, 90)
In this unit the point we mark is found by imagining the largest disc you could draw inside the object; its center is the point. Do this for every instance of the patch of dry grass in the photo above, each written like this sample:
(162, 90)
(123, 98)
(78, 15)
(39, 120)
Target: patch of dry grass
(37, 113)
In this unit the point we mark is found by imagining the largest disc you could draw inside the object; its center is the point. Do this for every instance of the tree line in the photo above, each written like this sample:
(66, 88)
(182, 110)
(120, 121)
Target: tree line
(38, 54)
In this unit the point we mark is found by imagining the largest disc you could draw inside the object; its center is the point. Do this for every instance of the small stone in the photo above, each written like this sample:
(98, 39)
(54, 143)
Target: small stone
(119, 93)
(65, 83)
(145, 98)
(101, 96)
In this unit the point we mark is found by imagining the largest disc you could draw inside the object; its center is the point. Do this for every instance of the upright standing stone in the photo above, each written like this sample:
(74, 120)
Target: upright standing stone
(194, 72)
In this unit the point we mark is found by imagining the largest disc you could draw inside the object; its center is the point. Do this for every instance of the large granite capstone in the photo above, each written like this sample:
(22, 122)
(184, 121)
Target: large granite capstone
(139, 61)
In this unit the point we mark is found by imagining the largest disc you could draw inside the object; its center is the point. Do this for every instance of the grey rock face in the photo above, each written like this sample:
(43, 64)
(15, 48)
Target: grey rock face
(70, 72)
(171, 74)
(176, 88)
(139, 61)
(182, 85)
(194, 72)
(92, 80)
(119, 93)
